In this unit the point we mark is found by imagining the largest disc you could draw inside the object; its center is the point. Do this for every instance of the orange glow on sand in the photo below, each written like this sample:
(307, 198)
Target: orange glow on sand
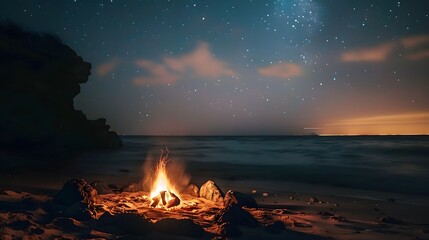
(162, 185)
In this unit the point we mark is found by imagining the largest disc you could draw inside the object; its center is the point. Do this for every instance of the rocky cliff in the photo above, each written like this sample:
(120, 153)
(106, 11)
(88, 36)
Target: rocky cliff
(39, 77)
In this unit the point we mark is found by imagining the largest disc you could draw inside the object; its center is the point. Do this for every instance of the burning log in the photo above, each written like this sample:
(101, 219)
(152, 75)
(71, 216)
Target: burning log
(162, 194)
(174, 201)
(155, 200)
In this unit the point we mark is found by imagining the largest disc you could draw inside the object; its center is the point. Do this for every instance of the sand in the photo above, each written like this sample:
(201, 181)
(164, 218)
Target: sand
(29, 215)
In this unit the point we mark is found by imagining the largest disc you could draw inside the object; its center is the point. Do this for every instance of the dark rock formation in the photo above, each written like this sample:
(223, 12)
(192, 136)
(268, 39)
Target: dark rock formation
(211, 191)
(241, 199)
(181, 227)
(77, 199)
(236, 215)
(40, 76)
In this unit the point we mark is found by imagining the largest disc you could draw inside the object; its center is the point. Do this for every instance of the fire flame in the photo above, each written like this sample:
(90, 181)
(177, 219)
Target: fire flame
(162, 186)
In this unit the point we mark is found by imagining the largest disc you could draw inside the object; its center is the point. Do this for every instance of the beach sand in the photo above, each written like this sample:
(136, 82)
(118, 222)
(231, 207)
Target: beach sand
(32, 215)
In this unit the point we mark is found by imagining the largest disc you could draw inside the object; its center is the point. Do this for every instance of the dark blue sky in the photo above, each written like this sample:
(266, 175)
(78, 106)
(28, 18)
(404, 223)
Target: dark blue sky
(246, 67)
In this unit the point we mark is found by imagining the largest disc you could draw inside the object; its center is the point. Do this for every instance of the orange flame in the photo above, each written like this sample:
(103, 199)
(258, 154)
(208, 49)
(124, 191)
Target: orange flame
(162, 183)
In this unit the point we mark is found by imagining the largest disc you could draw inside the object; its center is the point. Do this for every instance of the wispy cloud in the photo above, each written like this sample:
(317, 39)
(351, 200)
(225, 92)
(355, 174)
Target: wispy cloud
(158, 74)
(281, 70)
(371, 54)
(414, 41)
(416, 48)
(200, 62)
(107, 67)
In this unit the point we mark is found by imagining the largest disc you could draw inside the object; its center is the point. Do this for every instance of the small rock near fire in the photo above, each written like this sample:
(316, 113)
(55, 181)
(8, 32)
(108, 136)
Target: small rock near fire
(101, 187)
(241, 199)
(131, 187)
(76, 199)
(211, 191)
(193, 190)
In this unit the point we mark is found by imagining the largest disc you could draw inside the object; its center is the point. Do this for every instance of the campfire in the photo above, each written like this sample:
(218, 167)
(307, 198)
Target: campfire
(163, 193)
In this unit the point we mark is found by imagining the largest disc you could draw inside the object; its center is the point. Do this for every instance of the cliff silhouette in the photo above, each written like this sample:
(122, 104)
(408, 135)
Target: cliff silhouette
(40, 76)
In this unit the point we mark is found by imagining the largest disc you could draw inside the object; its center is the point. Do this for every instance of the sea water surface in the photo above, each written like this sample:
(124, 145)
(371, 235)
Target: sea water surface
(398, 164)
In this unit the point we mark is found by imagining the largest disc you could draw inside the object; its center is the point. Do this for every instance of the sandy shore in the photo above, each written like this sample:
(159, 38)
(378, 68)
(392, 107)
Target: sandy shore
(25, 215)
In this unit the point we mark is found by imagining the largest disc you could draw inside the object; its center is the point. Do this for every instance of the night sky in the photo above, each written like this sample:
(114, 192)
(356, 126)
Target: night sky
(245, 67)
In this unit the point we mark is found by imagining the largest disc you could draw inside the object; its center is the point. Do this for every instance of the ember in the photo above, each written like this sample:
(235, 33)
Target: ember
(163, 193)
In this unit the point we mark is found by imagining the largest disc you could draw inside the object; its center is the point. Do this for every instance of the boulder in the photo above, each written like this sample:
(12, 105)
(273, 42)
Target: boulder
(193, 190)
(101, 187)
(211, 191)
(180, 227)
(241, 199)
(75, 191)
(77, 199)
(236, 215)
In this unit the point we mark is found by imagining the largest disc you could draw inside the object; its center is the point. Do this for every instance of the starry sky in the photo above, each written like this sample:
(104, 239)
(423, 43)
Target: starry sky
(245, 67)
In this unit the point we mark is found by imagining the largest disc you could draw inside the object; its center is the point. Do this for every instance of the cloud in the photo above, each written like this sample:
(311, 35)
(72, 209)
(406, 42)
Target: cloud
(372, 54)
(383, 51)
(281, 70)
(201, 62)
(104, 68)
(158, 74)
(414, 41)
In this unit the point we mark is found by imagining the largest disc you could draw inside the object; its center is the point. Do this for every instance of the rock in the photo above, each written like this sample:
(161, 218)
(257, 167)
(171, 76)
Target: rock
(181, 227)
(236, 215)
(229, 230)
(211, 191)
(275, 227)
(338, 218)
(241, 199)
(324, 213)
(77, 197)
(390, 220)
(101, 187)
(41, 76)
(312, 200)
(75, 191)
(131, 187)
(114, 188)
(392, 200)
(125, 223)
(193, 190)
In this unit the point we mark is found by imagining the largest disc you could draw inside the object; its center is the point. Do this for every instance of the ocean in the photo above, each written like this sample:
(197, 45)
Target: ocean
(389, 164)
